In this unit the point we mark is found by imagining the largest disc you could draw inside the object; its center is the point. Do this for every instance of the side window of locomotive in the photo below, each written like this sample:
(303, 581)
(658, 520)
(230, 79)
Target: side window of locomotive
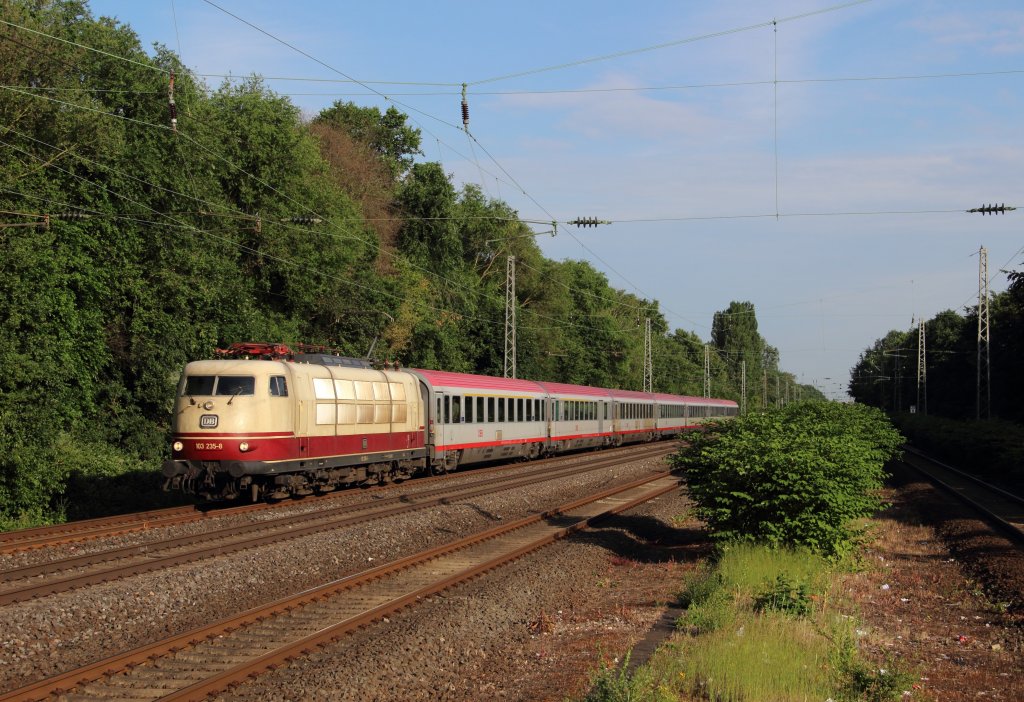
(199, 385)
(278, 386)
(236, 385)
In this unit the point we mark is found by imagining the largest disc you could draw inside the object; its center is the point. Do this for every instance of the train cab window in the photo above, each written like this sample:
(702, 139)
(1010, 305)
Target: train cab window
(199, 385)
(469, 410)
(278, 386)
(236, 385)
(457, 409)
(479, 409)
(490, 409)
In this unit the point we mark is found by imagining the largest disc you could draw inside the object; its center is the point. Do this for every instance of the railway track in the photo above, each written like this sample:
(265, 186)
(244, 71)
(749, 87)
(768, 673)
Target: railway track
(211, 659)
(105, 527)
(42, 579)
(1002, 509)
(87, 529)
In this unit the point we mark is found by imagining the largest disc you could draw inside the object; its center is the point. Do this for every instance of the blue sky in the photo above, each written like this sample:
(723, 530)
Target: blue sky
(686, 147)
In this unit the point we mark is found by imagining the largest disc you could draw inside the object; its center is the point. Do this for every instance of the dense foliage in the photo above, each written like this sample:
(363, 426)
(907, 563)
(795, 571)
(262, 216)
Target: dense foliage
(886, 374)
(247, 223)
(993, 449)
(796, 476)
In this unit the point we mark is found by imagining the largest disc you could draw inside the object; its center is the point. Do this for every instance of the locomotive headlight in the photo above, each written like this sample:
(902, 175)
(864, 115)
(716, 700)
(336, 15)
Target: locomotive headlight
(177, 446)
(244, 446)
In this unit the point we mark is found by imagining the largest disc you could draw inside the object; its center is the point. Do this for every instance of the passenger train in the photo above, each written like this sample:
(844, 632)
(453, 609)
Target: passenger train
(268, 422)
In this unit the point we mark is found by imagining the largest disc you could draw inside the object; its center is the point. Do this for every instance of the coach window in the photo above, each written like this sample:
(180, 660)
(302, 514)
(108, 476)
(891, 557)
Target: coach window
(519, 410)
(479, 409)
(456, 409)
(469, 410)
(447, 409)
(512, 416)
(501, 409)
(278, 386)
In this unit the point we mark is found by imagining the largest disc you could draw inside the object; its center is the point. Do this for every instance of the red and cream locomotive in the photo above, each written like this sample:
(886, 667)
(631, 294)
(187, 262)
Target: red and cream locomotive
(269, 422)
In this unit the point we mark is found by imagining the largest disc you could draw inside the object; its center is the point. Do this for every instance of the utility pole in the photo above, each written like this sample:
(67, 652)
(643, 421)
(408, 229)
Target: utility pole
(510, 318)
(922, 371)
(707, 371)
(648, 359)
(743, 387)
(984, 403)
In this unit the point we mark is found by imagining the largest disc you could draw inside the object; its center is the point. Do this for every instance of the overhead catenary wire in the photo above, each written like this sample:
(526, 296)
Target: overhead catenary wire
(803, 214)
(667, 44)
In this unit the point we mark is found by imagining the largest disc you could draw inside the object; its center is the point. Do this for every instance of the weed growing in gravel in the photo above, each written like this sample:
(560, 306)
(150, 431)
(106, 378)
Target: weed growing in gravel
(758, 628)
(613, 684)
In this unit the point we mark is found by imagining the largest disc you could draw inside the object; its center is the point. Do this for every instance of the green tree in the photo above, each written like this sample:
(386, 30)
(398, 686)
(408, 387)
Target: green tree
(386, 133)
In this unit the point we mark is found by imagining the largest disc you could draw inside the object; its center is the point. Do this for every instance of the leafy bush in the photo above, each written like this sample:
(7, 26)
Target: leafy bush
(795, 476)
(786, 596)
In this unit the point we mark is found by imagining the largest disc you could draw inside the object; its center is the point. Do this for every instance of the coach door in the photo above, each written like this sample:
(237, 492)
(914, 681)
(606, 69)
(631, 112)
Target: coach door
(444, 422)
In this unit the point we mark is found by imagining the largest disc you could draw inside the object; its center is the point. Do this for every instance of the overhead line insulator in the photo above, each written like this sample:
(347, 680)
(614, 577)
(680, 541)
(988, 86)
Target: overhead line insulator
(992, 209)
(465, 109)
(588, 221)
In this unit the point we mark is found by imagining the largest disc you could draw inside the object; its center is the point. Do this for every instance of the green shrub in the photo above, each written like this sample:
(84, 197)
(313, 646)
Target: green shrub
(615, 684)
(786, 596)
(796, 476)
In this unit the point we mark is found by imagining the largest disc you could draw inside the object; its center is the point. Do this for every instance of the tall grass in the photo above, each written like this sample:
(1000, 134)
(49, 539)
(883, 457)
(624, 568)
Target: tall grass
(759, 627)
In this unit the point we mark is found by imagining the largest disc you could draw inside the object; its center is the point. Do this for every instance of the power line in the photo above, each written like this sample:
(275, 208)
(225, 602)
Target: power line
(665, 45)
(147, 66)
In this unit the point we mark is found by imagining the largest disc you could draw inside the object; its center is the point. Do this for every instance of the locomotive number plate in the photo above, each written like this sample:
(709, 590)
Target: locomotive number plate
(208, 421)
(207, 446)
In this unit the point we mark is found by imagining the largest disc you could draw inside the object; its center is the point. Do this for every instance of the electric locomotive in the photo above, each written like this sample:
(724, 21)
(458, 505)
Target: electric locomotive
(269, 422)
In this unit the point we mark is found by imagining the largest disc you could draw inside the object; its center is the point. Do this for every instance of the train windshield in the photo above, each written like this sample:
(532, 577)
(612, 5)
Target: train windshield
(219, 385)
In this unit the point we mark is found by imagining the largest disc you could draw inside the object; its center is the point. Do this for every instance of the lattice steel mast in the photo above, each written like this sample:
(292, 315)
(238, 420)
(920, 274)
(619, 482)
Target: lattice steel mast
(510, 318)
(648, 359)
(984, 367)
(922, 371)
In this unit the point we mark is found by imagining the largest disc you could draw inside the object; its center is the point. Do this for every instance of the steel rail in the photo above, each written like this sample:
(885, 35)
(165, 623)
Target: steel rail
(240, 538)
(1001, 508)
(642, 490)
(117, 525)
